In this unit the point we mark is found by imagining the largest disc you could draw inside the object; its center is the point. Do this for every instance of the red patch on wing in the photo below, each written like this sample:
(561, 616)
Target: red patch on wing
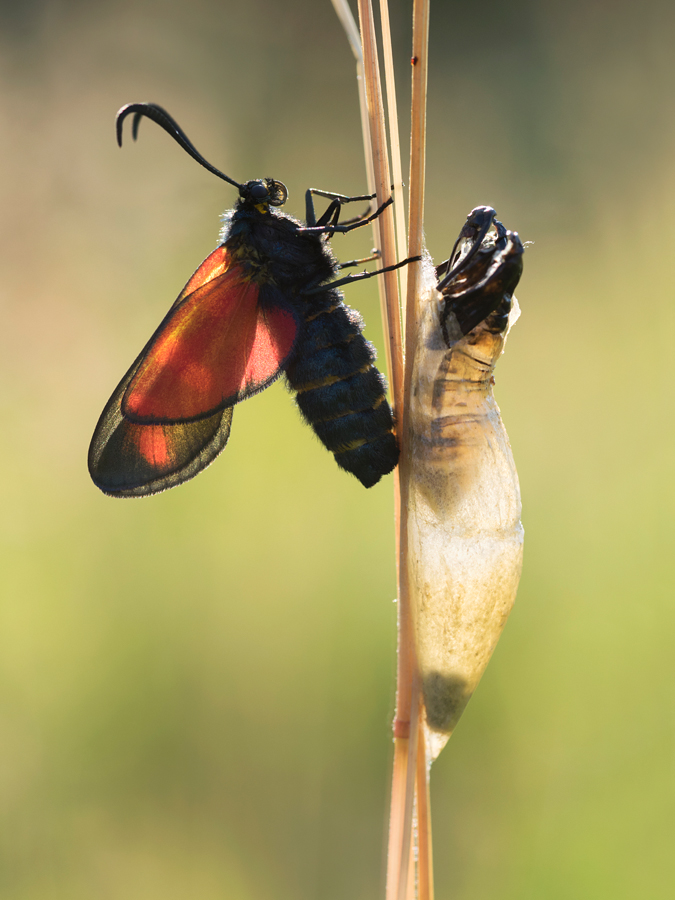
(217, 346)
(152, 446)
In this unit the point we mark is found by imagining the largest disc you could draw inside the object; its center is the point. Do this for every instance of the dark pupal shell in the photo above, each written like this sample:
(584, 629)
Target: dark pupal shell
(482, 280)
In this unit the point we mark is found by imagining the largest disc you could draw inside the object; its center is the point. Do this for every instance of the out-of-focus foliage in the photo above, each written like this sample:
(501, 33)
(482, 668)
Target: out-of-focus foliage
(195, 690)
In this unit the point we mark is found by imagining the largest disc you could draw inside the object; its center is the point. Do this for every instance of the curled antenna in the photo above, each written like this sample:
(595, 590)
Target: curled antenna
(169, 124)
(477, 225)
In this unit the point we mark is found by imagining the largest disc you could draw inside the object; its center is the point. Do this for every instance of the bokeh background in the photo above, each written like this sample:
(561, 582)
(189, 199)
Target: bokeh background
(196, 689)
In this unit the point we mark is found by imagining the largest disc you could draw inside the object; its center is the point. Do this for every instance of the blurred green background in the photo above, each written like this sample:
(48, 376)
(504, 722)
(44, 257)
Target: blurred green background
(196, 689)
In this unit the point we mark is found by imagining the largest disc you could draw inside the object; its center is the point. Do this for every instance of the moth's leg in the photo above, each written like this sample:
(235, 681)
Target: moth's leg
(329, 228)
(310, 214)
(343, 198)
(329, 218)
(337, 201)
(357, 262)
(349, 279)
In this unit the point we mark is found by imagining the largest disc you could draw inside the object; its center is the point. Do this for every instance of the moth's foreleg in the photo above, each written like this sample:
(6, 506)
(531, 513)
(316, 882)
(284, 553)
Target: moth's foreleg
(330, 228)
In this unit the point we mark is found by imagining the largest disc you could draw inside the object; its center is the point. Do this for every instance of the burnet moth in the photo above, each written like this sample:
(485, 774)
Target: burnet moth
(264, 302)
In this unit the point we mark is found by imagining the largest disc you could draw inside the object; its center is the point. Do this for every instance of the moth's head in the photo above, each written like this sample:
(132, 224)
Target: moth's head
(263, 193)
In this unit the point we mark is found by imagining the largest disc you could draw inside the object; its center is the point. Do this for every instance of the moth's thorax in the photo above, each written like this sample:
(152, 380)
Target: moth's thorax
(272, 246)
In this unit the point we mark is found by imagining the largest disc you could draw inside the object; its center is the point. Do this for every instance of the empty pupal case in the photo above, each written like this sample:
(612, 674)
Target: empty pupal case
(465, 538)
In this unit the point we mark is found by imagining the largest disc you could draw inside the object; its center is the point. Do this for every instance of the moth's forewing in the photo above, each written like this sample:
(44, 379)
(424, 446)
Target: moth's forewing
(221, 343)
(225, 338)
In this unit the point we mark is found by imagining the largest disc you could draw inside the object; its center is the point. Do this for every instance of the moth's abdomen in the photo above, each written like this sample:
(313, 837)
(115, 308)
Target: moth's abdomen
(342, 395)
(315, 368)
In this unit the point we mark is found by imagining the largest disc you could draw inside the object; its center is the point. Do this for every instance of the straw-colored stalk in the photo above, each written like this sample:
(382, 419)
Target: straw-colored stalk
(410, 771)
(407, 697)
(380, 157)
(392, 114)
(418, 126)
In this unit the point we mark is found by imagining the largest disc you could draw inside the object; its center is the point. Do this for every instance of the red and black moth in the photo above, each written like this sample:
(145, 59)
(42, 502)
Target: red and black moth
(264, 302)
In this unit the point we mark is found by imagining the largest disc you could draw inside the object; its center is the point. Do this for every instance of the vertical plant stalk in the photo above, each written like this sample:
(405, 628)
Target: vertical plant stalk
(378, 142)
(392, 116)
(425, 869)
(415, 248)
(407, 696)
(418, 130)
(344, 14)
(417, 166)
(402, 832)
(410, 766)
(346, 18)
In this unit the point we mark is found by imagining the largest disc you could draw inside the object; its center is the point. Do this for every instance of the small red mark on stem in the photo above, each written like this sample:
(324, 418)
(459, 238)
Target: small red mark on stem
(413, 61)
(401, 729)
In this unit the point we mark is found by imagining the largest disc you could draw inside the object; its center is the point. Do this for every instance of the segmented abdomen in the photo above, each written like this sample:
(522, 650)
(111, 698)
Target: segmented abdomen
(340, 392)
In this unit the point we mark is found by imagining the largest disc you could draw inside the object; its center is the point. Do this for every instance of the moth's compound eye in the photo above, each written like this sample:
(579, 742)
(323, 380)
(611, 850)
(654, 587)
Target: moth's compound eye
(259, 191)
(279, 194)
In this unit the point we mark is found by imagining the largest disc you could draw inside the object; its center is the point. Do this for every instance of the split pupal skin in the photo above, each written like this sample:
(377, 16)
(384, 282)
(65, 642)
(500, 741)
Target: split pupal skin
(465, 539)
